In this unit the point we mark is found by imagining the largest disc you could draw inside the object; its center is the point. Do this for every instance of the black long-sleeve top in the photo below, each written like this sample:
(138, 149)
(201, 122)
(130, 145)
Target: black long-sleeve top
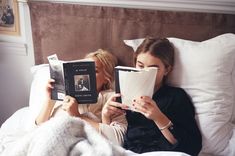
(143, 135)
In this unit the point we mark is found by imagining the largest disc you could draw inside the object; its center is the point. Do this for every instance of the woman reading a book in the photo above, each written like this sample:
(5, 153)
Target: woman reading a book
(107, 120)
(165, 121)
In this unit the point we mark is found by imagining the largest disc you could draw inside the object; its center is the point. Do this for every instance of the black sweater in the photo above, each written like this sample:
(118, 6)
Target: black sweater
(144, 136)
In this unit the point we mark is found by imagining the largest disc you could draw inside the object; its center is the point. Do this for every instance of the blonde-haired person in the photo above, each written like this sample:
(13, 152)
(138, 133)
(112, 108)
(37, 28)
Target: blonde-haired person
(108, 62)
(107, 120)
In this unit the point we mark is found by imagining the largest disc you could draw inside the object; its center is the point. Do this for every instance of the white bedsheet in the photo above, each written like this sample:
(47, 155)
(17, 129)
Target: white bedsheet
(19, 124)
(158, 153)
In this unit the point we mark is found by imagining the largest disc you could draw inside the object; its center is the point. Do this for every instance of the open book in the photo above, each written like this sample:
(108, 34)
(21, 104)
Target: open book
(133, 83)
(74, 78)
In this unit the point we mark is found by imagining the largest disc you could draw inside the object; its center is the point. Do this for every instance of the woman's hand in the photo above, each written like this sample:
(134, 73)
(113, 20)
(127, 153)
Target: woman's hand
(70, 105)
(148, 107)
(112, 109)
(49, 87)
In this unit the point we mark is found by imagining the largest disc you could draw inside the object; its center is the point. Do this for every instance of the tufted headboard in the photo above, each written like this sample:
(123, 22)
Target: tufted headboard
(72, 30)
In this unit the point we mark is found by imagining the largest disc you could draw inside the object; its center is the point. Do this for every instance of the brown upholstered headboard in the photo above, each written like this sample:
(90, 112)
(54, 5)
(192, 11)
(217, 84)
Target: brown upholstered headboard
(72, 30)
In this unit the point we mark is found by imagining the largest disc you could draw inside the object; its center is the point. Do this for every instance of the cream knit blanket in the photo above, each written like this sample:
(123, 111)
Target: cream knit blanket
(63, 136)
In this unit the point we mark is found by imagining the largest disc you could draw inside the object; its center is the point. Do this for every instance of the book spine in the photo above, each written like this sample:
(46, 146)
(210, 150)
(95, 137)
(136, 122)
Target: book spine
(66, 78)
(117, 85)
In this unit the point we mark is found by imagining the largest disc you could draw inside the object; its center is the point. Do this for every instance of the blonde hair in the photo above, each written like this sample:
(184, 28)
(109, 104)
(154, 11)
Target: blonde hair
(108, 61)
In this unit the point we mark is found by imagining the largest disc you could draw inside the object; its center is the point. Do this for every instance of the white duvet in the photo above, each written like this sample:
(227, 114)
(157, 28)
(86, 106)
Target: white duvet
(63, 135)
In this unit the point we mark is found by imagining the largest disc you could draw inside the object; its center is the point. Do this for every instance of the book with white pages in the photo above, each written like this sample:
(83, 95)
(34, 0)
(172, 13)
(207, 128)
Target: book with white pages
(132, 83)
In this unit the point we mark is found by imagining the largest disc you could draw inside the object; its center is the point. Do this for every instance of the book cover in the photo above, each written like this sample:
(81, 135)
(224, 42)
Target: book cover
(74, 78)
(132, 83)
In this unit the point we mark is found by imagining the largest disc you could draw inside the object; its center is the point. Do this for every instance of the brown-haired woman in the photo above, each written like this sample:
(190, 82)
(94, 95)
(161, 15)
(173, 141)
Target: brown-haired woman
(166, 121)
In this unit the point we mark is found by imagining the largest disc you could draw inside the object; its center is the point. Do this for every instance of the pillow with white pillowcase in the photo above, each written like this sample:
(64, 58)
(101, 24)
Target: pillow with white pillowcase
(206, 71)
(233, 75)
(41, 75)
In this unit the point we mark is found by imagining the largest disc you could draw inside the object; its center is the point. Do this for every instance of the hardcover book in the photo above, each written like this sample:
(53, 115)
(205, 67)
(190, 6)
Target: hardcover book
(132, 83)
(74, 78)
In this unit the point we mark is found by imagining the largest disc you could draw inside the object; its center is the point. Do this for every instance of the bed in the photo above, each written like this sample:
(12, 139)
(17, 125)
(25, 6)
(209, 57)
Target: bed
(204, 66)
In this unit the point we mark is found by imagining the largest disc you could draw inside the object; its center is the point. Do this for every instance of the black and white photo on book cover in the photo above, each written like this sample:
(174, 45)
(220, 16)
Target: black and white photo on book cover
(74, 78)
(82, 82)
(132, 83)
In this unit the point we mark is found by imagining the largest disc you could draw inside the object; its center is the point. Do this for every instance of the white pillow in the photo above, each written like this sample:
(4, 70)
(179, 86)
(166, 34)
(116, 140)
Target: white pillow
(41, 75)
(204, 70)
(233, 75)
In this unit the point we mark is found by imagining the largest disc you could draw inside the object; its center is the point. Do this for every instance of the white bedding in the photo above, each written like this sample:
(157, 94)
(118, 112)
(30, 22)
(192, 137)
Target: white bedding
(59, 136)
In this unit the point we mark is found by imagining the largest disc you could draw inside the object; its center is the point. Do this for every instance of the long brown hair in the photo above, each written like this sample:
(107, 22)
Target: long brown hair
(160, 48)
(157, 47)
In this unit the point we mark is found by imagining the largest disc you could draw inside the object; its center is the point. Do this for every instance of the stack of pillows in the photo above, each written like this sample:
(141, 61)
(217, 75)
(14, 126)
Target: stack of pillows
(206, 70)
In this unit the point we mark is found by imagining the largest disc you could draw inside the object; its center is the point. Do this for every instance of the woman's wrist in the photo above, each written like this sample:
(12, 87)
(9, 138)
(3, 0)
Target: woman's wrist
(161, 120)
(168, 125)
